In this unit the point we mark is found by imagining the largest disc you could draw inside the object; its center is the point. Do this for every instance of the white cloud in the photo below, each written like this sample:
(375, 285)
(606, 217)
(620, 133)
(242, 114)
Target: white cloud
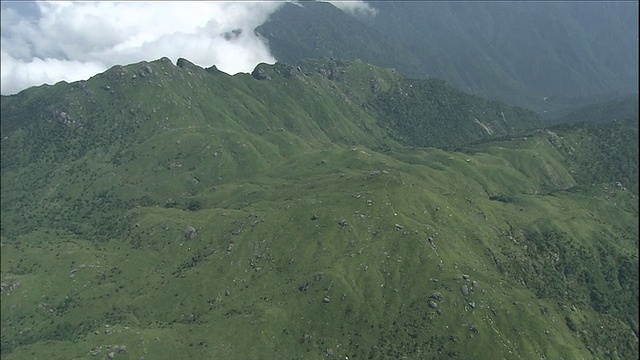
(18, 74)
(355, 7)
(75, 40)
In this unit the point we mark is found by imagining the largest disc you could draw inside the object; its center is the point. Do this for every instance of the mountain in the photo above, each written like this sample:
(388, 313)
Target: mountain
(323, 209)
(547, 56)
(603, 112)
(314, 100)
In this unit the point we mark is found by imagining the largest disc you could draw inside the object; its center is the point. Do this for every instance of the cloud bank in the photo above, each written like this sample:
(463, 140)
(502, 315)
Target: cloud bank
(74, 40)
(355, 7)
(45, 42)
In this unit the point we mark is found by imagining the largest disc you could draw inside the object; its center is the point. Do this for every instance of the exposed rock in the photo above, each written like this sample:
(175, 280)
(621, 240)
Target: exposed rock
(189, 232)
(399, 227)
(464, 289)
(433, 304)
(343, 222)
(145, 71)
(13, 286)
(184, 64)
(260, 74)
(329, 352)
(315, 217)
(288, 71)
(304, 286)
(122, 349)
(326, 299)
(374, 173)
(472, 304)
(111, 355)
(466, 277)
(62, 117)
(375, 85)
(436, 295)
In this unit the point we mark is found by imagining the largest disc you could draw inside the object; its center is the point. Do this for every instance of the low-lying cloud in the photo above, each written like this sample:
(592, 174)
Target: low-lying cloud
(65, 40)
(356, 8)
(75, 40)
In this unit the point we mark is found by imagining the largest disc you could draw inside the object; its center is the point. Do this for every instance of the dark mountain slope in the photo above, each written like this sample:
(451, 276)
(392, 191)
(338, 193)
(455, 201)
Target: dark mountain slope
(553, 48)
(520, 52)
(431, 113)
(603, 112)
(315, 30)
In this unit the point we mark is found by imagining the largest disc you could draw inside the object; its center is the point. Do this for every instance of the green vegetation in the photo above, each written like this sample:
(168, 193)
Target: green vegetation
(431, 113)
(619, 108)
(327, 216)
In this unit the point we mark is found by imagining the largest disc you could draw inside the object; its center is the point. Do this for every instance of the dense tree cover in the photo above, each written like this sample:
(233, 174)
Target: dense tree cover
(432, 113)
(602, 152)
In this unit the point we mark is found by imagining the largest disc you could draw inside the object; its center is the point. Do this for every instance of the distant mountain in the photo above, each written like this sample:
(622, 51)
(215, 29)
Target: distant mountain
(323, 209)
(604, 112)
(546, 56)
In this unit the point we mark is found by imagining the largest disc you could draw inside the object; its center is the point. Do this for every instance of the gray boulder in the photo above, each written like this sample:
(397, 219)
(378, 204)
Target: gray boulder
(189, 232)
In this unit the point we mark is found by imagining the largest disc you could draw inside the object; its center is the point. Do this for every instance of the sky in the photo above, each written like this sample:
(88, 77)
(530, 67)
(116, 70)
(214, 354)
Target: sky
(45, 42)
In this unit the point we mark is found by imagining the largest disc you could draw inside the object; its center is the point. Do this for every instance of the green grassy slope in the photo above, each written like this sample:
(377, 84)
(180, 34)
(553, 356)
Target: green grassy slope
(319, 231)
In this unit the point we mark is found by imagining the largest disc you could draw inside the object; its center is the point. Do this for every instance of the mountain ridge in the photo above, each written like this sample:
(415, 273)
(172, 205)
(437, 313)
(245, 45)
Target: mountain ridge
(366, 81)
(172, 211)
